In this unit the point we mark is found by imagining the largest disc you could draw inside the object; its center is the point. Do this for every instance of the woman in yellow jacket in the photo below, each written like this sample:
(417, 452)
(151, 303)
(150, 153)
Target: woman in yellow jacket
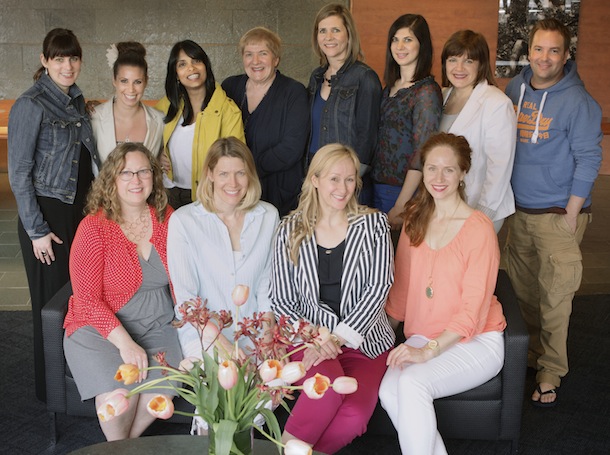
(197, 112)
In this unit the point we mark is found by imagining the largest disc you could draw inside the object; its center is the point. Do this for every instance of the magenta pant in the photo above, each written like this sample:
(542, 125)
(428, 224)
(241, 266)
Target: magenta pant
(333, 421)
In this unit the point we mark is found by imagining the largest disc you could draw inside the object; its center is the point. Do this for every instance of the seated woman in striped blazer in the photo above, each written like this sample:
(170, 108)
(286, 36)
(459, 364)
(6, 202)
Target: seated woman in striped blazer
(333, 267)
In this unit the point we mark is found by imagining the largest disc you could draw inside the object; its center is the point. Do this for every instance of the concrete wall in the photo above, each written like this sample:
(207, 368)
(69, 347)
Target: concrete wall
(215, 24)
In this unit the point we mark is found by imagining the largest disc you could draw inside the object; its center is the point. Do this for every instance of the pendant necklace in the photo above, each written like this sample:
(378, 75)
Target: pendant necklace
(430, 288)
(130, 129)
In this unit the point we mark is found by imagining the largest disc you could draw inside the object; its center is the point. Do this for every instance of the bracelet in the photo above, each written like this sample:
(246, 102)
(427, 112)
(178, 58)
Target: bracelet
(434, 347)
(335, 339)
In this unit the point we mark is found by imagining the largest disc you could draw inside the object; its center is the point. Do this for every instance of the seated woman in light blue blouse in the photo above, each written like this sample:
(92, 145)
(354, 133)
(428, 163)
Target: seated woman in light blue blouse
(221, 240)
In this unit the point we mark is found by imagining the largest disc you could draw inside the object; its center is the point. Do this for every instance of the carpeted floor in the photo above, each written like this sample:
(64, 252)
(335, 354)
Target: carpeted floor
(579, 424)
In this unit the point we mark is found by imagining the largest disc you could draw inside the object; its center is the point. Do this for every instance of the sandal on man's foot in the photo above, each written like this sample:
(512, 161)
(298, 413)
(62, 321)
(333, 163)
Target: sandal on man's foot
(538, 403)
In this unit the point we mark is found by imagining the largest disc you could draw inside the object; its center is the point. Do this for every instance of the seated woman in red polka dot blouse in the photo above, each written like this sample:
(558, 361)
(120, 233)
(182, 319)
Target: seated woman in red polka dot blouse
(122, 307)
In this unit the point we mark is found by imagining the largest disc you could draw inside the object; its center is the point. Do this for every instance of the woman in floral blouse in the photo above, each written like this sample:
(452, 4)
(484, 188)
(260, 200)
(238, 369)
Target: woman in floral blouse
(410, 113)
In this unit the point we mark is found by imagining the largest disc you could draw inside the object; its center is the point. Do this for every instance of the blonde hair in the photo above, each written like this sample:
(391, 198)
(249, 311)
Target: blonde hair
(354, 51)
(233, 148)
(258, 35)
(306, 214)
(103, 194)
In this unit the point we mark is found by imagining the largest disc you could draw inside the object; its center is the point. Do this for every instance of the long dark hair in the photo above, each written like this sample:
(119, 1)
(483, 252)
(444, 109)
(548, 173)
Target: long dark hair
(175, 92)
(59, 42)
(418, 25)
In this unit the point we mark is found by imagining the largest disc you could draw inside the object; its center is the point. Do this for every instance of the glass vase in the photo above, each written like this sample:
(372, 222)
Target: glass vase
(243, 440)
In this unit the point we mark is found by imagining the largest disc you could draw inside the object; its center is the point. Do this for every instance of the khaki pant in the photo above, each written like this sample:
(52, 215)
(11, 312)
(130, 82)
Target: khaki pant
(544, 263)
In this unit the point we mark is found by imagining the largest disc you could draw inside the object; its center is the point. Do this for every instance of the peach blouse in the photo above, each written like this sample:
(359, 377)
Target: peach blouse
(464, 274)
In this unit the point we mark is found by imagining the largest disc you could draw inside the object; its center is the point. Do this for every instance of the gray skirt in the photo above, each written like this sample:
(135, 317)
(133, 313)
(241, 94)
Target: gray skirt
(147, 317)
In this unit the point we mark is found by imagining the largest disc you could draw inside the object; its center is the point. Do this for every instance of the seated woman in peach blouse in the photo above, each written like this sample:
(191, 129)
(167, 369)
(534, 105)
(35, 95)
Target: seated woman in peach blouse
(446, 269)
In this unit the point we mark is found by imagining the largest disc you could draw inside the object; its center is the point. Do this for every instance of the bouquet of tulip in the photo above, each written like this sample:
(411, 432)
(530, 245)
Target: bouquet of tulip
(230, 389)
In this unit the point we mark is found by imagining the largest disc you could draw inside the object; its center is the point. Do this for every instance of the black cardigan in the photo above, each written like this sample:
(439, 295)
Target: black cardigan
(277, 133)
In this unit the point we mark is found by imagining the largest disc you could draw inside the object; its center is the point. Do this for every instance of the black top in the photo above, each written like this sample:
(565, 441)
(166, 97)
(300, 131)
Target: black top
(276, 132)
(330, 271)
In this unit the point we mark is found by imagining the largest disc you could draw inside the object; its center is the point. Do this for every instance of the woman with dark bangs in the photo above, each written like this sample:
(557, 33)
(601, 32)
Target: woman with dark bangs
(50, 151)
(197, 112)
(475, 108)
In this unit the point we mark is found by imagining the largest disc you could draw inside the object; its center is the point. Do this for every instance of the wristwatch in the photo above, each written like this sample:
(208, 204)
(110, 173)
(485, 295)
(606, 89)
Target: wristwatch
(434, 347)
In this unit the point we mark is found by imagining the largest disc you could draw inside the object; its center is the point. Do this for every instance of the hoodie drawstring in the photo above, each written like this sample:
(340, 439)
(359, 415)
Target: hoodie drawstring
(534, 139)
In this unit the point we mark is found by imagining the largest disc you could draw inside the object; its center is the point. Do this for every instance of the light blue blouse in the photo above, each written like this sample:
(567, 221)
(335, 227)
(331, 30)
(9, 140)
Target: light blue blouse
(202, 262)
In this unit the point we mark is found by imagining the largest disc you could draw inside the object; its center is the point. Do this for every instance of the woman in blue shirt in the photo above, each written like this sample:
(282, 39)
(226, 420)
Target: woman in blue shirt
(344, 93)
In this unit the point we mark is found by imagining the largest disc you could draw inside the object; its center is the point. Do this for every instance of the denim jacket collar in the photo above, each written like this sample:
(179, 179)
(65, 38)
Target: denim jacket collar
(58, 94)
(319, 72)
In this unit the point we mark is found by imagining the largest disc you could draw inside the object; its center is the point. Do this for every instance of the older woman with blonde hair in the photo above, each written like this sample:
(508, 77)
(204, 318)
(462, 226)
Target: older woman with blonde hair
(333, 267)
(275, 115)
(122, 307)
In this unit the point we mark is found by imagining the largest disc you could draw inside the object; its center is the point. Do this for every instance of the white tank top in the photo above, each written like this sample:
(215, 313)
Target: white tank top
(181, 153)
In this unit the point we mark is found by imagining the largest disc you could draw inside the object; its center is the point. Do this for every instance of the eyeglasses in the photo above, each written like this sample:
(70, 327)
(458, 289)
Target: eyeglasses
(143, 174)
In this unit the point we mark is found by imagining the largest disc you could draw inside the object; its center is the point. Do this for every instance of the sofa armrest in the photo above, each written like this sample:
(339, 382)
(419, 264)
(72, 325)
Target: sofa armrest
(53, 314)
(516, 341)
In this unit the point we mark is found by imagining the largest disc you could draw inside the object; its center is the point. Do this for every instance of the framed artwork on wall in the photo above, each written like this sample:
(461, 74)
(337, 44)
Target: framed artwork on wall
(515, 19)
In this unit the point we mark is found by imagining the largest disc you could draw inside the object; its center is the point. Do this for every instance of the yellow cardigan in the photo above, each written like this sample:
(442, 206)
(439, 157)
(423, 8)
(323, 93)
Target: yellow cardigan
(221, 118)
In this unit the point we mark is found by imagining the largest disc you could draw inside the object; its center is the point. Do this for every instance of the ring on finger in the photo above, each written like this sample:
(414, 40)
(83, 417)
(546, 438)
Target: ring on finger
(44, 253)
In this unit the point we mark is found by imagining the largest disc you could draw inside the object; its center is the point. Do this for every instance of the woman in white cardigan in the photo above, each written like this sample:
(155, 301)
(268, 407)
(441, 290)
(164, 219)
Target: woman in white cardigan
(124, 118)
(475, 108)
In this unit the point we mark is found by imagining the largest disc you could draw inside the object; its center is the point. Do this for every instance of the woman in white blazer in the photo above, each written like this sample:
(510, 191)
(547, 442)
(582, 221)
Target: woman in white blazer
(124, 118)
(333, 267)
(475, 108)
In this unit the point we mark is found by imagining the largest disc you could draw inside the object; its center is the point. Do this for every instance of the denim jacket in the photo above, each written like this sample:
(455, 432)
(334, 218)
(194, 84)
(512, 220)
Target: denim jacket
(351, 113)
(46, 131)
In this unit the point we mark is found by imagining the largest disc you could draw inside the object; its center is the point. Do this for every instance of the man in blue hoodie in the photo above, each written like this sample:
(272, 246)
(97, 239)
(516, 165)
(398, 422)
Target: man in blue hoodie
(557, 159)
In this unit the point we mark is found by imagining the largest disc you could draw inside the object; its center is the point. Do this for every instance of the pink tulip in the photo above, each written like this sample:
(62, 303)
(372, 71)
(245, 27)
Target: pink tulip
(240, 294)
(292, 372)
(269, 370)
(115, 404)
(345, 385)
(161, 407)
(297, 447)
(316, 386)
(227, 374)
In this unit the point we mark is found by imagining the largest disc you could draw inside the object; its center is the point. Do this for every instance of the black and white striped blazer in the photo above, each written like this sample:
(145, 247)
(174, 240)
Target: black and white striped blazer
(368, 274)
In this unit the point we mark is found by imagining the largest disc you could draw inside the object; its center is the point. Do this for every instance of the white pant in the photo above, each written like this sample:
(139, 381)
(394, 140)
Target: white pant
(407, 394)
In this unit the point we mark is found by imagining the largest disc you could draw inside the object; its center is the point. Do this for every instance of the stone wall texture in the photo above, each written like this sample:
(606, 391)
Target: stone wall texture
(216, 25)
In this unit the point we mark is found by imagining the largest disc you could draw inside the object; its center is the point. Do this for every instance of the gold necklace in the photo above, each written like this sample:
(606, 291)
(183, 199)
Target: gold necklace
(430, 288)
(136, 230)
